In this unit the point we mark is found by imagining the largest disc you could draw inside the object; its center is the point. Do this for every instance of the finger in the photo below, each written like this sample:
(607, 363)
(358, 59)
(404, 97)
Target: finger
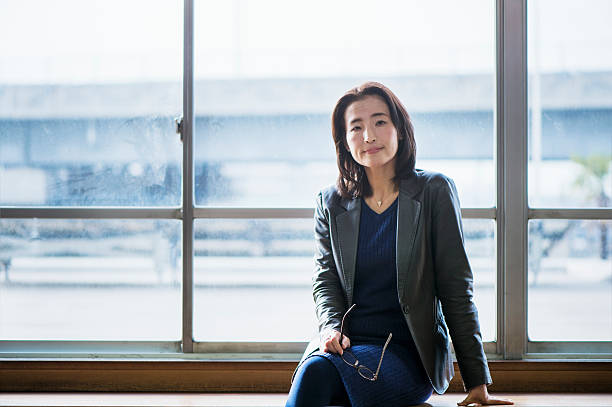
(337, 347)
(332, 345)
(328, 346)
(325, 343)
(469, 403)
(346, 342)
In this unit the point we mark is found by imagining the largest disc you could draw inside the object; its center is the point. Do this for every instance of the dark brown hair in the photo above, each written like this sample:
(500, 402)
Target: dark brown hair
(352, 181)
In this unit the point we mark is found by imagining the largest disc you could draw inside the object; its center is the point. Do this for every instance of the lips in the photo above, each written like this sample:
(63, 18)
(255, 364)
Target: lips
(373, 150)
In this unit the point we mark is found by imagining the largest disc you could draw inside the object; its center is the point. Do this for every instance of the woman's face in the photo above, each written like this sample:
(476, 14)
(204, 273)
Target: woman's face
(371, 136)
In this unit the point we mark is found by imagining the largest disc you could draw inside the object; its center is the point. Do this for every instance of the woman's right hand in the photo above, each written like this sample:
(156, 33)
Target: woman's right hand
(330, 342)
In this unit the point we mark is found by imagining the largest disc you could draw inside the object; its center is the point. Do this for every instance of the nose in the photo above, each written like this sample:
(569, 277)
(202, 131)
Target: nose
(368, 136)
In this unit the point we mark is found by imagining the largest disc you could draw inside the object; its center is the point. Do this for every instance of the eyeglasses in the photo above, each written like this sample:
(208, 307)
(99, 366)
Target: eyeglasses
(350, 359)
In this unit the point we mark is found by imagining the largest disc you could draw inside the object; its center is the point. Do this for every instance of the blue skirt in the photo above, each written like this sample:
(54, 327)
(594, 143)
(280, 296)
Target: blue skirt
(402, 380)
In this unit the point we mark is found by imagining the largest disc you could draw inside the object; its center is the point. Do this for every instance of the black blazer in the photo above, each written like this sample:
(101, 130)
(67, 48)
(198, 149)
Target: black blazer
(434, 279)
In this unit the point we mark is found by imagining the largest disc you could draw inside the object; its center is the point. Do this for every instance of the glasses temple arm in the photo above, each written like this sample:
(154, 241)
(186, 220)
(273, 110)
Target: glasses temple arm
(342, 324)
(383, 354)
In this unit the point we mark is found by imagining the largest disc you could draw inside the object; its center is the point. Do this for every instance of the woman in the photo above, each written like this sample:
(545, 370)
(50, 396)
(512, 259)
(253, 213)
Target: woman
(391, 271)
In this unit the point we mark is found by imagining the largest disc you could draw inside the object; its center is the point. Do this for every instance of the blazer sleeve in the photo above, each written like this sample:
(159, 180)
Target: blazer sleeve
(326, 286)
(455, 287)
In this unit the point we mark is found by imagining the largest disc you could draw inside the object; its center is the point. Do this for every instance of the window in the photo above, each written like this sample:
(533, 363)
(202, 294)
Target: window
(87, 110)
(83, 279)
(110, 235)
(570, 155)
(263, 101)
(87, 122)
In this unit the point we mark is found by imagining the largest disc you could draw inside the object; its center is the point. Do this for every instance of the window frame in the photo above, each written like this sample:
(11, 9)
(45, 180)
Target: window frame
(511, 213)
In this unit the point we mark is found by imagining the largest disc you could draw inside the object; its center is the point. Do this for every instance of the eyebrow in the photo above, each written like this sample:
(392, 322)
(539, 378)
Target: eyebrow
(359, 119)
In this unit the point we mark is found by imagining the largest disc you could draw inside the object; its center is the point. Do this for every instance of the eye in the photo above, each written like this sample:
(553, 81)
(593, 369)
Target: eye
(381, 122)
(356, 128)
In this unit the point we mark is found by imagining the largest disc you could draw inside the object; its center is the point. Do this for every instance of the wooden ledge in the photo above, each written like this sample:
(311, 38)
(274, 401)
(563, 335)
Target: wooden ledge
(269, 376)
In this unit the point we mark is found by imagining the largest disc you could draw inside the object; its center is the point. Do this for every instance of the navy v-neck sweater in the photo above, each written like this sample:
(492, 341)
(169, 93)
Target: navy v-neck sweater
(377, 310)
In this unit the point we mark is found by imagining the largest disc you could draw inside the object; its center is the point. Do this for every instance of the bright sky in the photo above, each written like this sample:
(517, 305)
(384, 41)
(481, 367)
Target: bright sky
(75, 41)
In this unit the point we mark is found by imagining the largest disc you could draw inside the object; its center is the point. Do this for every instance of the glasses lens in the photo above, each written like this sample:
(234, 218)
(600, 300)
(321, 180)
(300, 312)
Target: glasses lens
(349, 358)
(366, 373)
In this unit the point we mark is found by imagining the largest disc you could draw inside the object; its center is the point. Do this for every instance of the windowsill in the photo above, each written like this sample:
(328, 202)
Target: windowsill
(251, 375)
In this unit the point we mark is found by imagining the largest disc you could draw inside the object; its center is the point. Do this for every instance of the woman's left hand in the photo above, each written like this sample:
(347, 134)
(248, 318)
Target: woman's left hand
(479, 396)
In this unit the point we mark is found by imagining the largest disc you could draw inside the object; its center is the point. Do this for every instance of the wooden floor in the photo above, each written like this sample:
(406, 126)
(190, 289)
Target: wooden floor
(268, 400)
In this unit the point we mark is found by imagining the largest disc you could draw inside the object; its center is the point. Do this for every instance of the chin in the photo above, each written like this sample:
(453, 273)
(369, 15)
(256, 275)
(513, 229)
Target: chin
(376, 163)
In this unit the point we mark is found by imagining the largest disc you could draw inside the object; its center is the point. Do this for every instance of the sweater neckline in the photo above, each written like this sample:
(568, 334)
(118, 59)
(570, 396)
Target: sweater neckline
(383, 212)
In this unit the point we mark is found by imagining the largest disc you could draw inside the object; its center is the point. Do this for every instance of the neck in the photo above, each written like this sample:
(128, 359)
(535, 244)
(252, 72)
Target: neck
(381, 182)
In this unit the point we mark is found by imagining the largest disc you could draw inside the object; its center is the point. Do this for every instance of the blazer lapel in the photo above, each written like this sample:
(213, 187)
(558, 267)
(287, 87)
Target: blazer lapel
(347, 224)
(407, 223)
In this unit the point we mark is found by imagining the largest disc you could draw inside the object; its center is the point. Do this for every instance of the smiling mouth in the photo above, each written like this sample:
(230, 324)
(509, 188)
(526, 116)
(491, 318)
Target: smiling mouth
(373, 150)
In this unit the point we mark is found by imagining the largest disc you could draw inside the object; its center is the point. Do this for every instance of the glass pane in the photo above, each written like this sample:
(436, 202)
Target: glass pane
(88, 94)
(570, 103)
(90, 279)
(266, 84)
(479, 235)
(256, 276)
(570, 280)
